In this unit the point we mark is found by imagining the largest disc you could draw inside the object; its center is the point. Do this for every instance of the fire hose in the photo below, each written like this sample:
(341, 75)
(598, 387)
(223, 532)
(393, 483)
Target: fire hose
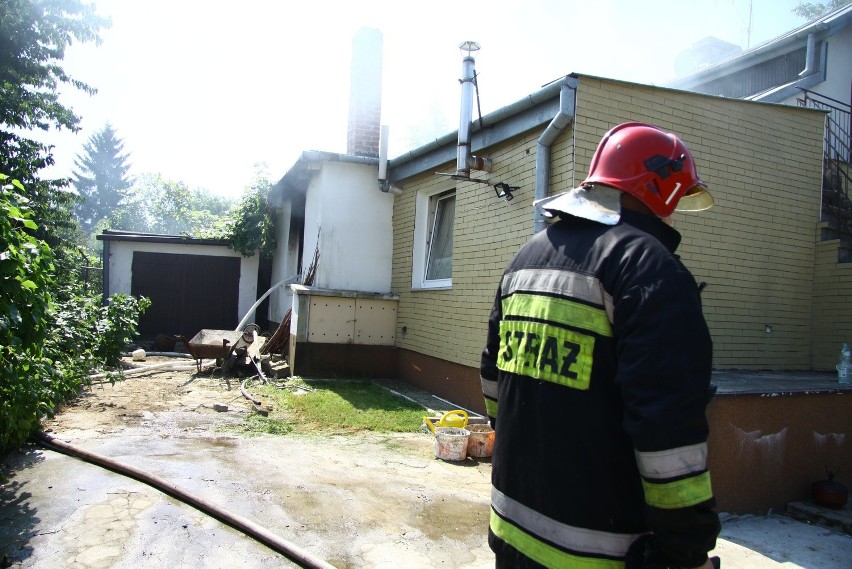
(239, 523)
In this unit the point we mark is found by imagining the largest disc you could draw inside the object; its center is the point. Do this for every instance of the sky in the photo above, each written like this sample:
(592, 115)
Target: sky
(204, 91)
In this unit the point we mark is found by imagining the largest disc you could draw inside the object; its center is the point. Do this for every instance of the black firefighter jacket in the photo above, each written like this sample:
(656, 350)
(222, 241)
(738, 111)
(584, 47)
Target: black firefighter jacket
(596, 376)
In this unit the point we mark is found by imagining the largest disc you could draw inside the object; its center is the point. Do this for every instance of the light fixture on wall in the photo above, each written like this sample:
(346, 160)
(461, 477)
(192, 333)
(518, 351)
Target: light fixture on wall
(504, 190)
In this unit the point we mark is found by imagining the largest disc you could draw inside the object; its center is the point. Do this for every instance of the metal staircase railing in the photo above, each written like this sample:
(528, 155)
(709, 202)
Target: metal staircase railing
(837, 174)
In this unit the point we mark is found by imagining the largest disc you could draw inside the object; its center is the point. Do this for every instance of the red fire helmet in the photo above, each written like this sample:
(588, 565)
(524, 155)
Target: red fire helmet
(652, 165)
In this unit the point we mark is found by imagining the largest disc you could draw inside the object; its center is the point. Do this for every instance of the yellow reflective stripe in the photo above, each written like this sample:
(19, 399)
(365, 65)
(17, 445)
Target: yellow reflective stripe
(545, 553)
(558, 311)
(680, 493)
(490, 407)
(546, 352)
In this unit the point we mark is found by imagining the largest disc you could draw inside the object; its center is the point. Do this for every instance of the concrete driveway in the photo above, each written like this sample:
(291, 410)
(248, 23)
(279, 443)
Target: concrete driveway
(352, 501)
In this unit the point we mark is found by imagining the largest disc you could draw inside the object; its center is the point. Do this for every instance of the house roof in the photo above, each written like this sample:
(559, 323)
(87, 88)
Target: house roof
(533, 111)
(822, 27)
(295, 182)
(530, 112)
(118, 235)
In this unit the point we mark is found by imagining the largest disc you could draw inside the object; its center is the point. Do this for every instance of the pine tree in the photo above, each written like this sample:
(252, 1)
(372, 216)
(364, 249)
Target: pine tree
(100, 177)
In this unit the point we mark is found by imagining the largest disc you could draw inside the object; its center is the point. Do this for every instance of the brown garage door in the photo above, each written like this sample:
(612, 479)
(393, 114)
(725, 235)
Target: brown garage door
(188, 292)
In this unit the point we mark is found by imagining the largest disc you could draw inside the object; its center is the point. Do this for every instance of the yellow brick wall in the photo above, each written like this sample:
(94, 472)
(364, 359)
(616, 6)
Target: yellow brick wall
(755, 249)
(832, 313)
(451, 324)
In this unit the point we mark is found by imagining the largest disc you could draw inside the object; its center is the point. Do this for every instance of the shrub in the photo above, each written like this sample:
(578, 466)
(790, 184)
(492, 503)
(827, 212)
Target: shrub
(51, 337)
(25, 278)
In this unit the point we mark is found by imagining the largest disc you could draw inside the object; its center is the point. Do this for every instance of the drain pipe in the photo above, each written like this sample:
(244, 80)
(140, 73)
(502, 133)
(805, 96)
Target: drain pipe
(810, 56)
(291, 551)
(563, 118)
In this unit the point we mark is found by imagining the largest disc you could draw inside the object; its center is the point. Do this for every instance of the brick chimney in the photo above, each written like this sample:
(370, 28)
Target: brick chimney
(365, 94)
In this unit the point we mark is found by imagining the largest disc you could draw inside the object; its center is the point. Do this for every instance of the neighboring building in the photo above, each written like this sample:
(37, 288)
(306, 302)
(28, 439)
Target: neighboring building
(192, 283)
(810, 66)
(816, 56)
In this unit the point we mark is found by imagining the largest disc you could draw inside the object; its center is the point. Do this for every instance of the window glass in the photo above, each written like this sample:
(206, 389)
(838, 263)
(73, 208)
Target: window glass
(439, 264)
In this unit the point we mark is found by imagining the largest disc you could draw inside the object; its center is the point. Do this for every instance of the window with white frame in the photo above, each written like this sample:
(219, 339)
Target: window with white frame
(433, 239)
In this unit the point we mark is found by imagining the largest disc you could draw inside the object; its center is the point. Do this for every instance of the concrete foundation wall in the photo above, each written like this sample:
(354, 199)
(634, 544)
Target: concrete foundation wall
(766, 451)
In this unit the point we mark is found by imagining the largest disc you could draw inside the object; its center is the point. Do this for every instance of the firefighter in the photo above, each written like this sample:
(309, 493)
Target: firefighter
(596, 374)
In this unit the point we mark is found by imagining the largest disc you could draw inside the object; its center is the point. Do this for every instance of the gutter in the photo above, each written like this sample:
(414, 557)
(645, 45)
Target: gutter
(563, 119)
(530, 112)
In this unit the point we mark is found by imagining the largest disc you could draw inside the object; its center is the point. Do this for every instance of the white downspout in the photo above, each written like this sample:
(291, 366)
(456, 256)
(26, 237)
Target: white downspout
(810, 56)
(563, 118)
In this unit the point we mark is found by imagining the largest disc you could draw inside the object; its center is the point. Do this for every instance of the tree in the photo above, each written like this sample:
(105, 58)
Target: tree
(33, 38)
(813, 10)
(52, 330)
(158, 205)
(100, 177)
(251, 225)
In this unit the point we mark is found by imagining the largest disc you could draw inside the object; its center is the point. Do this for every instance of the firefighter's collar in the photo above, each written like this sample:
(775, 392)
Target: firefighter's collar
(594, 202)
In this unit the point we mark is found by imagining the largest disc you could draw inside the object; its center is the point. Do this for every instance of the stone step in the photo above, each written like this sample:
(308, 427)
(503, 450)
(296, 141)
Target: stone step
(809, 512)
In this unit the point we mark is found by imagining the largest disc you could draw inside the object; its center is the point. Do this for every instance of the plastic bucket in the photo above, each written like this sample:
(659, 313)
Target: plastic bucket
(451, 443)
(480, 443)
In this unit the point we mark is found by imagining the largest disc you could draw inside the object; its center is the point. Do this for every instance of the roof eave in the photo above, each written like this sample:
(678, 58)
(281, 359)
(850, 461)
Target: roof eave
(822, 28)
(530, 112)
(140, 237)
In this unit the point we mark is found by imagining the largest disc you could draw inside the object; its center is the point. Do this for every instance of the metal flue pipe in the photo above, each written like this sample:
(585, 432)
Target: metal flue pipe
(466, 113)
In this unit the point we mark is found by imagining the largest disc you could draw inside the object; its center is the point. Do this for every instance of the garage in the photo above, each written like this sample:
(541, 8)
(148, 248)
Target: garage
(193, 283)
(187, 292)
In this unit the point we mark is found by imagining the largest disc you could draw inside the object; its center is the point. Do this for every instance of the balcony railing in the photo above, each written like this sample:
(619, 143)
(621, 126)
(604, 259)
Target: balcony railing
(837, 178)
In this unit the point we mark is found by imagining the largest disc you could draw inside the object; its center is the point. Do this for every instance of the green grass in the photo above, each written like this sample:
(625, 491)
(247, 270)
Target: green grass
(333, 407)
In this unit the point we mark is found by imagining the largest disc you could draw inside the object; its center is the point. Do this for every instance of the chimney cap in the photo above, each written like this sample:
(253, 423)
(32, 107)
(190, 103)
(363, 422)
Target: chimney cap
(470, 47)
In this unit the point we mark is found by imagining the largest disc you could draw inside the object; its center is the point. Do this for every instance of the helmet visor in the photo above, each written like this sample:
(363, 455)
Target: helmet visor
(696, 198)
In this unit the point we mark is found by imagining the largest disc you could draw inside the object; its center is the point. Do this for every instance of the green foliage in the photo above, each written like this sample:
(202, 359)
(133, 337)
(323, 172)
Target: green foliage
(88, 336)
(100, 177)
(25, 268)
(35, 34)
(813, 10)
(157, 205)
(252, 225)
(51, 205)
(33, 37)
(51, 336)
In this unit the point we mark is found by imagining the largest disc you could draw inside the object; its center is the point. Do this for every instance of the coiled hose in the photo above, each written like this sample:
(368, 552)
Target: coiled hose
(239, 523)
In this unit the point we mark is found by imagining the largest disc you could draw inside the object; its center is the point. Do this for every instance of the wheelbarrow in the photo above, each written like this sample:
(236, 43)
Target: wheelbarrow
(211, 344)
